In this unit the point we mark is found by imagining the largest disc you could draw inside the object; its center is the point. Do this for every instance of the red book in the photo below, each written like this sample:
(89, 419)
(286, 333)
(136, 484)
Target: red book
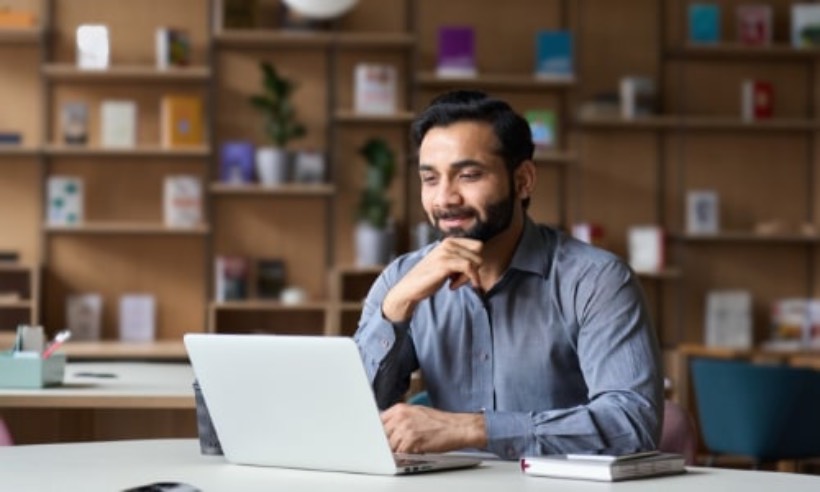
(754, 24)
(757, 100)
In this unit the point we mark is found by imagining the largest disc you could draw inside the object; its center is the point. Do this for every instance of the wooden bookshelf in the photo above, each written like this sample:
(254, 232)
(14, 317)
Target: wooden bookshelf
(126, 228)
(375, 40)
(352, 117)
(665, 274)
(12, 36)
(285, 190)
(778, 52)
(497, 81)
(142, 151)
(271, 38)
(748, 237)
(18, 151)
(126, 73)
(555, 158)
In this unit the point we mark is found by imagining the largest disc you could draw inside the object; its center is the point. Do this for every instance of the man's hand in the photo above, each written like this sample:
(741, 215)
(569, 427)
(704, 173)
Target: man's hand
(456, 259)
(420, 429)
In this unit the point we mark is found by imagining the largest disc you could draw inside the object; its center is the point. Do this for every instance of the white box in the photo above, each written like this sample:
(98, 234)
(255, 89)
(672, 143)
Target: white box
(118, 124)
(93, 46)
(804, 15)
(374, 89)
(84, 316)
(182, 201)
(646, 245)
(137, 318)
(637, 96)
(729, 319)
(702, 212)
(65, 200)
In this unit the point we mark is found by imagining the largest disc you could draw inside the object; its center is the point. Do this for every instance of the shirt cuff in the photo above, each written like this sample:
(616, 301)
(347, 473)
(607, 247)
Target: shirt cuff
(377, 340)
(508, 433)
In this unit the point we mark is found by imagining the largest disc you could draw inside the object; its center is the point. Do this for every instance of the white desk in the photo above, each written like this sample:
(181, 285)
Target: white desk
(112, 466)
(142, 400)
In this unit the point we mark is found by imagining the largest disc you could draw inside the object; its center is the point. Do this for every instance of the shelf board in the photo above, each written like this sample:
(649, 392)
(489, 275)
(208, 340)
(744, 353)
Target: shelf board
(58, 150)
(264, 38)
(357, 270)
(721, 51)
(116, 350)
(21, 304)
(748, 237)
(351, 306)
(290, 189)
(498, 81)
(22, 35)
(714, 123)
(268, 305)
(125, 228)
(555, 157)
(665, 274)
(126, 73)
(401, 117)
(15, 267)
(374, 40)
(14, 150)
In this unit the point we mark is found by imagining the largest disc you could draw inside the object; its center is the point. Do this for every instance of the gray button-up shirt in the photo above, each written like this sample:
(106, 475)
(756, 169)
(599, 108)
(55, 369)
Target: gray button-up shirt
(559, 355)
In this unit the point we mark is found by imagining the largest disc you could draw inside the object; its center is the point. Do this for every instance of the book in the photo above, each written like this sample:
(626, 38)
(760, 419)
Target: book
(181, 121)
(230, 278)
(754, 24)
(638, 96)
(647, 248)
(74, 123)
(137, 318)
(17, 18)
(604, 468)
(543, 127)
(728, 320)
(796, 320)
(588, 232)
(702, 212)
(64, 200)
(456, 52)
(270, 278)
(374, 88)
(757, 100)
(182, 201)
(309, 167)
(118, 124)
(704, 23)
(10, 138)
(805, 28)
(84, 316)
(236, 162)
(554, 55)
(173, 47)
(93, 50)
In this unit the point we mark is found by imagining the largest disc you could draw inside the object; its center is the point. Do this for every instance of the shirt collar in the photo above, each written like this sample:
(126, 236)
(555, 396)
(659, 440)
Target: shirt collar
(533, 251)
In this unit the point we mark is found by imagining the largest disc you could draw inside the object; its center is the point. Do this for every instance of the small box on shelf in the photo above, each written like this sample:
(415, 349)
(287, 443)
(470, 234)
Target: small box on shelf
(31, 370)
(93, 47)
(702, 212)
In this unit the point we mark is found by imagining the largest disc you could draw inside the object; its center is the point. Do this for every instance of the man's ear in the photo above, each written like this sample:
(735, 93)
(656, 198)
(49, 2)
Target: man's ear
(525, 179)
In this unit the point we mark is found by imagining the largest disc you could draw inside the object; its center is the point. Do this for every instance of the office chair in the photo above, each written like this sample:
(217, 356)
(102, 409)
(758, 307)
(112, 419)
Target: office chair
(765, 412)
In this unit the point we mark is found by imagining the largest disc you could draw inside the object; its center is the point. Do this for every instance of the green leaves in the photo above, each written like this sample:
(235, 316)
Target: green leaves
(281, 124)
(374, 205)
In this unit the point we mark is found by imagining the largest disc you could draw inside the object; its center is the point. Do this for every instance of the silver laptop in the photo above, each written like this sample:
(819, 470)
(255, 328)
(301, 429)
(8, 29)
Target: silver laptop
(298, 402)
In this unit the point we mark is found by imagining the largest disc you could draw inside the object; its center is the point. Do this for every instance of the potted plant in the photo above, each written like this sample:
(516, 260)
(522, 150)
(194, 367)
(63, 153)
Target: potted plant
(374, 241)
(281, 125)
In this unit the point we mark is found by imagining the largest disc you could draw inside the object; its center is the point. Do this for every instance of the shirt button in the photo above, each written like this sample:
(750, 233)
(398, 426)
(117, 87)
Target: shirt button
(485, 356)
(385, 343)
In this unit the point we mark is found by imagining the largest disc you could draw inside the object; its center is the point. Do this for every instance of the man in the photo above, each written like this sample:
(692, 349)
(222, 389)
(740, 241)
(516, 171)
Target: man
(529, 341)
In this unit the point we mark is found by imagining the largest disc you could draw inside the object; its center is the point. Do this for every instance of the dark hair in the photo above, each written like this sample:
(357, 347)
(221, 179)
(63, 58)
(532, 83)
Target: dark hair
(511, 130)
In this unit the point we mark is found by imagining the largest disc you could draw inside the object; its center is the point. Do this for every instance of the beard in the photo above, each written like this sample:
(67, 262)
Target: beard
(498, 218)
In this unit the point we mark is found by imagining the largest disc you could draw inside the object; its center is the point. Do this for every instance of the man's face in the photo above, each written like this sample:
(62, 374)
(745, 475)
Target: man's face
(465, 187)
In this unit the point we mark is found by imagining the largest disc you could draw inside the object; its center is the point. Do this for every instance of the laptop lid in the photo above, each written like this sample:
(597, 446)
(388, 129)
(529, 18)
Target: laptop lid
(293, 401)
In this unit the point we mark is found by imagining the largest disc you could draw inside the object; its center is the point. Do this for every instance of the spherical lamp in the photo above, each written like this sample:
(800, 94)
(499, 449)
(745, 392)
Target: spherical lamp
(320, 9)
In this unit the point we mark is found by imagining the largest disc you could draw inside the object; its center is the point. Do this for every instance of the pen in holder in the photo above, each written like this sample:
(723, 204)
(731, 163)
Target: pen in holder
(208, 440)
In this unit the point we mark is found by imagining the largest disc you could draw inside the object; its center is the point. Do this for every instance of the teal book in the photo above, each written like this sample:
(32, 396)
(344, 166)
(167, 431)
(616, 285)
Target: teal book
(704, 23)
(554, 54)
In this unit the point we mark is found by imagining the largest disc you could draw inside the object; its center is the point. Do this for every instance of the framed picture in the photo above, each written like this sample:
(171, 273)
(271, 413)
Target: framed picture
(702, 212)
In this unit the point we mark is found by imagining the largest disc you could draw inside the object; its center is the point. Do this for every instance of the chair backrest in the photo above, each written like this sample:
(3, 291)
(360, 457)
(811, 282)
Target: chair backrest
(5, 435)
(679, 434)
(767, 412)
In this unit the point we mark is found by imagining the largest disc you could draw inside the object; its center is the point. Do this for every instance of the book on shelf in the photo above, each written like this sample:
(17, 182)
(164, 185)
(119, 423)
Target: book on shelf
(230, 278)
(74, 123)
(757, 100)
(754, 24)
(805, 26)
(173, 47)
(702, 212)
(118, 124)
(93, 46)
(604, 468)
(728, 320)
(601, 105)
(10, 138)
(375, 88)
(554, 55)
(15, 18)
(137, 318)
(646, 245)
(236, 162)
(181, 121)
(64, 200)
(796, 321)
(84, 316)
(309, 167)
(456, 52)
(543, 124)
(182, 201)
(270, 278)
(588, 232)
(704, 23)
(638, 96)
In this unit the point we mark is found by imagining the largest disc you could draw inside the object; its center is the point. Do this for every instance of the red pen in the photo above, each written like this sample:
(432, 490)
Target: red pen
(59, 339)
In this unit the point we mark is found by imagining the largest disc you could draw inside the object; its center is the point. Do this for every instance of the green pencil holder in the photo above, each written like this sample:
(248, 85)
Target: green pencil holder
(31, 372)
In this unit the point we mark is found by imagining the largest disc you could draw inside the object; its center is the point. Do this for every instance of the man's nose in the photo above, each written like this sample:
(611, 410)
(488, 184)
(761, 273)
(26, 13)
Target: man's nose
(447, 194)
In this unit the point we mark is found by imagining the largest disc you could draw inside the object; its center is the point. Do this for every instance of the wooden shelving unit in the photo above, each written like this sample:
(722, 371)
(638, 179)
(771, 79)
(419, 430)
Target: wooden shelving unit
(11, 36)
(126, 73)
(139, 152)
(292, 189)
(493, 81)
(126, 228)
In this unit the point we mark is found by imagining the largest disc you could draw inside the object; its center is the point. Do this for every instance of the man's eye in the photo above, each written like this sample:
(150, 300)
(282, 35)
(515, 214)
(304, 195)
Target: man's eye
(428, 179)
(470, 176)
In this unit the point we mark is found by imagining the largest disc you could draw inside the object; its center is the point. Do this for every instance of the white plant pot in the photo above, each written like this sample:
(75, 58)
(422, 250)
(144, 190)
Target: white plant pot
(373, 246)
(272, 165)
